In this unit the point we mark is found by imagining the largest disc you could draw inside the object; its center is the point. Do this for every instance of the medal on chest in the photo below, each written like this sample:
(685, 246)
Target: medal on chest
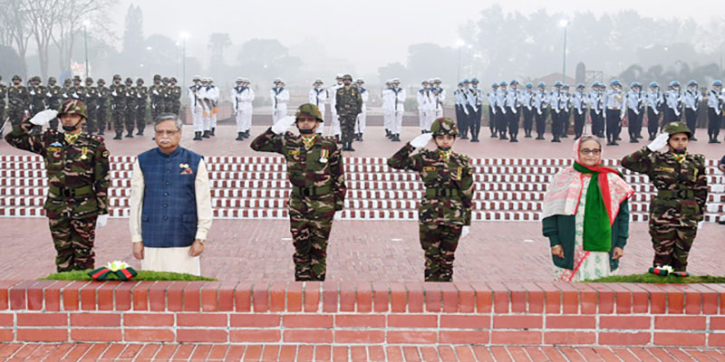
(323, 156)
(84, 152)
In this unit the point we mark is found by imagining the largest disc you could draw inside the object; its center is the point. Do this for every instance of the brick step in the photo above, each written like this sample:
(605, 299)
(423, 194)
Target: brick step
(352, 194)
(280, 203)
(353, 214)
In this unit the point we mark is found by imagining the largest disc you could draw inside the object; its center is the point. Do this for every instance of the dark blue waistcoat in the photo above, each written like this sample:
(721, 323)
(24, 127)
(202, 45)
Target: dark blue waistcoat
(169, 216)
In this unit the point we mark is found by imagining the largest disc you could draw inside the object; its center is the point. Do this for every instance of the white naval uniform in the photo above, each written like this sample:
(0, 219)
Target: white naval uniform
(242, 98)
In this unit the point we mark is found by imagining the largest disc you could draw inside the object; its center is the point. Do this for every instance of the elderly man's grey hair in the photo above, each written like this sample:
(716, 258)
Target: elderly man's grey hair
(168, 117)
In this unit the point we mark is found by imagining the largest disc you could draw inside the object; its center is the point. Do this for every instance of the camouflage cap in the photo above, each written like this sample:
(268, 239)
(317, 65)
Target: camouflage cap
(677, 127)
(347, 77)
(444, 126)
(310, 110)
(72, 106)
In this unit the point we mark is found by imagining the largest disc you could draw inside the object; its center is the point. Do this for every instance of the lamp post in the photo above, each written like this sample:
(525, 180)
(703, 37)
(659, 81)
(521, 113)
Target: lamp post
(184, 36)
(565, 24)
(85, 40)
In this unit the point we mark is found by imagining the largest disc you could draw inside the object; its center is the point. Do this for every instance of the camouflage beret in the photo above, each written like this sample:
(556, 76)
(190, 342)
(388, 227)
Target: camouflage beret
(72, 106)
(444, 126)
(677, 127)
(310, 110)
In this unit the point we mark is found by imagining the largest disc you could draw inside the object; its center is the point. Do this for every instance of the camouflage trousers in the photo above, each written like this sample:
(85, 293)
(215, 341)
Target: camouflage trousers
(91, 120)
(141, 118)
(176, 107)
(16, 115)
(156, 109)
(672, 245)
(347, 123)
(102, 118)
(119, 115)
(73, 240)
(439, 243)
(310, 224)
(130, 119)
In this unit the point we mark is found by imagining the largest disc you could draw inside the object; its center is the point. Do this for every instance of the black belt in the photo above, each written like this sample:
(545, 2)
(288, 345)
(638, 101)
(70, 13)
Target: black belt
(442, 192)
(311, 191)
(67, 192)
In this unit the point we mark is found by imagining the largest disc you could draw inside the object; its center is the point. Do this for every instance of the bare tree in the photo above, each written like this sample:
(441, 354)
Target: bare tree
(43, 16)
(15, 26)
(71, 14)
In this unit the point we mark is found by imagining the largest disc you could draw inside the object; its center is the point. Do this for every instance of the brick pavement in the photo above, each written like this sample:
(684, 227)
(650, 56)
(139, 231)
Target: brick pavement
(261, 250)
(214, 352)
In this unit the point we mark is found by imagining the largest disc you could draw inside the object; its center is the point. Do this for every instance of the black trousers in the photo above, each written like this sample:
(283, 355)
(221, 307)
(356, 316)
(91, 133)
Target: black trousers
(713, 124)
(491, 120)
(579, 119)
(556, 123)
(653, 121)
(540, 121)
(514, 114)
(501, 121)
(565, 122)
(474, 121)
(528, 119)
(459, 117)
(613, 124)
(691, 119)
(635, 123)
(670, 117)
(597, 123)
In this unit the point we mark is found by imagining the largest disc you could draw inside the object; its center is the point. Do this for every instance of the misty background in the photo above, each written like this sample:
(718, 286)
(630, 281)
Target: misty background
(376, 40)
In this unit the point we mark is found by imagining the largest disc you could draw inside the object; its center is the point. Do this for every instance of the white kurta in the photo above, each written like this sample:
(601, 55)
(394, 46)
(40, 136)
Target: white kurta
(175, 260)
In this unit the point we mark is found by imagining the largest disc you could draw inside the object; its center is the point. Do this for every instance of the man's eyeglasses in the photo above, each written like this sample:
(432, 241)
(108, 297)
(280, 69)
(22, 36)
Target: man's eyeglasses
(586, 151)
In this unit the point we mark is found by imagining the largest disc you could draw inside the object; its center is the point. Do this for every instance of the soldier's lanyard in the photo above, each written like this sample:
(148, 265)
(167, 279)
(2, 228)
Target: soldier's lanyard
(309, 141)
(680, 157)
(71, 137)
(445, 155)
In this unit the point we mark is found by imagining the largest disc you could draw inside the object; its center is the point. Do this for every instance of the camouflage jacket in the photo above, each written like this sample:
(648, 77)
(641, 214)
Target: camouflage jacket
(91, 97)
(52, 96)
(668, 174)
(18, 96)
(156, 92)
(348, 102)
(142, 95)
(78, 93)
(77, 173)
(103, 93)
(118, 100)
(3, 92)
(175, 94)
(37, 98)
(320, 166)
(131, 95)
(439, 206)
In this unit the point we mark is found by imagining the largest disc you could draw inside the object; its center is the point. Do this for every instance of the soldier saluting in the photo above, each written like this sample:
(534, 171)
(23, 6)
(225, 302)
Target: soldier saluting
(317, 174)
(77, 169)
(681, 182)
(445, 212)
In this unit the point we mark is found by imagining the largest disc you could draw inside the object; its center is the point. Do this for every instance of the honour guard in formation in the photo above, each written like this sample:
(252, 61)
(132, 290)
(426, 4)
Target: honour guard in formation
(348, 103)
(131, 104)
(176, 98)
(18, 101)
(492, 111)
(157, 93)
(557, 101)
(388, 100)
(91, 102)
(461, 104)
(596, 109)
(579, 102)
(316, 170)
(399, 107)
(318, 96)
(691, 100)
(333, 108)
(78, 180)
(541, 106)
(212, 94)
(168, 95)
(142, 96)
(513, 109)
(444, 215)
(527, 102)
(614, 114)
(715, 100)
(198, 108)
(634, 106)
(654, 99)
(280, 97)
(502, 117)
(102, 106)
(475, 99)
(37, 96)
(3, 92)
(566, 113)
(425, 107)
(242, 97)
(53, 95)
(361, 122)
(118, 105)
(440, 97)
(673, 100)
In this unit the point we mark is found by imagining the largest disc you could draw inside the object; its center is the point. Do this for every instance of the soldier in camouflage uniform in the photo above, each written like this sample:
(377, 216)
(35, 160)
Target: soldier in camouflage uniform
(118, 105)
(77, 169)
(102, 106)
(316, 172)
(3, 92)
(131, 107)
(444, 214)
(348, 104)
(18, 100)
(77, 91)
(176, 97)
(37, 96)
(66, 88)
(681, 182)
(142, 95)
(168, 96)
(91, 100)
(156, 93)
(53, 95)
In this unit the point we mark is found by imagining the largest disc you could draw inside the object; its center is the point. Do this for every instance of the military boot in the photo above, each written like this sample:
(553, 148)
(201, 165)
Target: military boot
(213, 129)
(197, 136)
(349, 146)
(240, 136)
(206, 134)
(119, 135)
(129, 134)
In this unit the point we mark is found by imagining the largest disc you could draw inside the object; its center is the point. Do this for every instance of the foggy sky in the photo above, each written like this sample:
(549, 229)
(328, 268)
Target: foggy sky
(369, 33)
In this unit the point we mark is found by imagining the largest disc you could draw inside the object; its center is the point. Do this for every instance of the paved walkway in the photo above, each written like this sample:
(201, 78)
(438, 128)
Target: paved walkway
(205, 352)
(261, 250)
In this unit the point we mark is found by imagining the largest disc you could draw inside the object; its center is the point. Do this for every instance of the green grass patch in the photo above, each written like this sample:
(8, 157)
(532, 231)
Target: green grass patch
(142, 275)
(651, 278)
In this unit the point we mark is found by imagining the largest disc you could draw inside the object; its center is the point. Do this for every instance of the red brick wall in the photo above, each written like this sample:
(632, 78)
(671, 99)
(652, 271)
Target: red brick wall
(364, 313)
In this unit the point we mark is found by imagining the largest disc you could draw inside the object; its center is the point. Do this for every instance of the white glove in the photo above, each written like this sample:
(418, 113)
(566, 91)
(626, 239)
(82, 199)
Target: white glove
(114, 93)
(155, 92)
(659, 142)
(42, 118)
(75, 95)
(283, 124)
(465, 231)
(101, 221)
(422, 140)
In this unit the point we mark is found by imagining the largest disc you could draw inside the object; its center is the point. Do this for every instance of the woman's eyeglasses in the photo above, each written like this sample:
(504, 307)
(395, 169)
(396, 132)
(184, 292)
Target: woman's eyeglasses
(586, 151)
